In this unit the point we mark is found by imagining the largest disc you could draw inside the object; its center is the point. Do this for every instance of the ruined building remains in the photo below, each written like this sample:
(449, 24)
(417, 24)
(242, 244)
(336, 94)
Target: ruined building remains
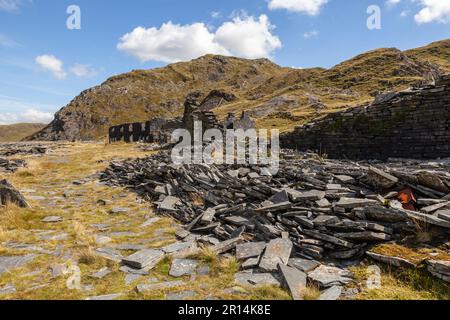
(410, 124)
(159, 130)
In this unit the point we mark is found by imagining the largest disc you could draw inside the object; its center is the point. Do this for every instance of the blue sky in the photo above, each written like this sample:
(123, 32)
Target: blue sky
(43, 64)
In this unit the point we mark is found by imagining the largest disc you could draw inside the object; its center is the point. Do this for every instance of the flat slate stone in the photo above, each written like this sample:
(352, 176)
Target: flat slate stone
(294, 280)
(435, 207)
(147, 258)
(7, 263)
(178, 246)
(117, 210)
(393, 261)
(351, 203)
(102, 240)
(311, 195)
(130, 278)
(208, 216)
(179, 296)
(100, 274)
(331, 294)
(280, 197)
(150, 222)
(364, 236)
(249, 250)
(327, 276)
(246, 278)
(277, 251)
(183, 267)
(108, 297)
(169, 204)
(443, 214)
(52, 219)
(109, 254)
(303, 264)
(158, 286)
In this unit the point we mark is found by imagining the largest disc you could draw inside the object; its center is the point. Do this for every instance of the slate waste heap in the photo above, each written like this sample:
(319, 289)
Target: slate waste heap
(307, 222)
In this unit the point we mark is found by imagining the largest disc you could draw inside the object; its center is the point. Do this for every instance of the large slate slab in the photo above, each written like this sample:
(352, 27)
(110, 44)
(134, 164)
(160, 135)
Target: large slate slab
(183, 267)
(249, 250)
(278, 251)
(8, 263)
(246, 278)
(147, 258)
(327, 276)
(294, 280)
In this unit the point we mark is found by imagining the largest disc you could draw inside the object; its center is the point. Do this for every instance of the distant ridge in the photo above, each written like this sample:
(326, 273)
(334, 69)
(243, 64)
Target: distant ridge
(274, 96)
(19, 131)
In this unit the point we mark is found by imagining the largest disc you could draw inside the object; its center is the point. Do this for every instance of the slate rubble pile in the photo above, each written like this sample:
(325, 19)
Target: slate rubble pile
(13, 149)
(312, 210)
(10, 166)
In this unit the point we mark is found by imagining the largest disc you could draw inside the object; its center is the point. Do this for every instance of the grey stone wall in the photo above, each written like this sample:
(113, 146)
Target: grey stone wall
(410, 124)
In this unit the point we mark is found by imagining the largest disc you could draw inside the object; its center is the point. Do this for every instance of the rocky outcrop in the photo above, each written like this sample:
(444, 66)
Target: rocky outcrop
(409, 124)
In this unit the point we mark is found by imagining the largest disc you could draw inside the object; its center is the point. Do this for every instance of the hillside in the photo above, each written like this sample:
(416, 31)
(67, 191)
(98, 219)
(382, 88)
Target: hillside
(275, 96)
(19, 131)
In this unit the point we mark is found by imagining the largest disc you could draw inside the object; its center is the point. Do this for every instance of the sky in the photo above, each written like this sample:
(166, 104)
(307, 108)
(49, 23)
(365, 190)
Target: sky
(51, 50)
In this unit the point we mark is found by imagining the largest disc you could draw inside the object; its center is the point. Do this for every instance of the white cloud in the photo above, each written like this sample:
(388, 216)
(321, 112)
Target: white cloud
(15, 110)
(12, 5)
(28, 116)
(392, 3)
(433, 11)
(244, 36)
(52, 64)
(310, 7)
(248, 38)
(311, 34)
(83, 71)
(215, 14)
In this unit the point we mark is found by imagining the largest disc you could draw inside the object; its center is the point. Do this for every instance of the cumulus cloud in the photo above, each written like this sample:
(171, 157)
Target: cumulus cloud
(244, 36)
(310, 7)
(14, 110)
(433, 11)
(52, 64)
(83, 71)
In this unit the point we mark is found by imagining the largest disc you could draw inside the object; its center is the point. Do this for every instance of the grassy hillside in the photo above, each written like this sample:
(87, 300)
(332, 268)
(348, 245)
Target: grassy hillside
(19, 131)
(275, 96)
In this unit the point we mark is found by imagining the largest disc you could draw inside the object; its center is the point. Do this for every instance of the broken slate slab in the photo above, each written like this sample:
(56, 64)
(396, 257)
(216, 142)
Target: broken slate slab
(178, 246)
(246, 278)
(100, 274)
(158, 286)
(435, 207)
(331, 294)
(179, 296)
(311, 195)
(277, 252)
(118, 210)
(351, 203)
(443, 214)
(147, 258)
(8, 263)
(249, 250)
(381, 179)
(226, 246)
(294, 280)
(392, 261)
(169, 204)
(150, 222)
(183, 267)
(109, 254)
(303, 264)
(327, 276)
(130, 278)
(108, 297)
(52, 219)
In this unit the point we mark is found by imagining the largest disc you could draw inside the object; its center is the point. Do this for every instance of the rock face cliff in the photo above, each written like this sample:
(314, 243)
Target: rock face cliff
(273, 95)
(413, 124)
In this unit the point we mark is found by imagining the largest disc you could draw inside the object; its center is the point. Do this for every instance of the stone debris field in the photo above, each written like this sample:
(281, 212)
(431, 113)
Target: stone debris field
(122, 222)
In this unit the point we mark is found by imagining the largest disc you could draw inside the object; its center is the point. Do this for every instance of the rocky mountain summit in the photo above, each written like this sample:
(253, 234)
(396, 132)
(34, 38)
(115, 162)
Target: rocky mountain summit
(273, 95)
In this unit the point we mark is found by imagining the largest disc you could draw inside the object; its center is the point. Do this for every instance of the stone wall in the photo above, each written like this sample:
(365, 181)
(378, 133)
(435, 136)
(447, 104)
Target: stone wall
(410, 124)
(158, 130)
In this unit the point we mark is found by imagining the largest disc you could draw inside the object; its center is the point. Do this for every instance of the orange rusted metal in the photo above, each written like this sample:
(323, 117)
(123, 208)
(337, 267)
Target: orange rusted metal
(407, 198)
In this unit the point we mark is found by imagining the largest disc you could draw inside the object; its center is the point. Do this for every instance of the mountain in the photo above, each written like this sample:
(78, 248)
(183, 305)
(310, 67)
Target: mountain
(275, 96)
(19, 131)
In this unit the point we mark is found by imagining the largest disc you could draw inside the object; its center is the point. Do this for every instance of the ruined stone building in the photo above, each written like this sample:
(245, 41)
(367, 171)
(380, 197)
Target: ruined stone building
(414, 123)
(159, 130)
